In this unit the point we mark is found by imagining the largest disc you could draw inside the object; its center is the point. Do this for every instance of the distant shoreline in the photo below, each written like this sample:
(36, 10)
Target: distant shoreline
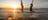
(24, 8)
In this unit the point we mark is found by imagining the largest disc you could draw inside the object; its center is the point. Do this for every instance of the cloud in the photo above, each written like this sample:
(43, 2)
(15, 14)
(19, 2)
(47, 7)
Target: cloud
(40, 4)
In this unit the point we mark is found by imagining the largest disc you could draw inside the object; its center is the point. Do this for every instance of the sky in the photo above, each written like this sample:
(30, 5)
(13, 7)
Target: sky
(26, 3)
(41, 4)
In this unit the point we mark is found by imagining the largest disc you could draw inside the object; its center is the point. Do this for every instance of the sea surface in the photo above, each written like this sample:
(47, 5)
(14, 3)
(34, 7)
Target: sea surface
(43, 12)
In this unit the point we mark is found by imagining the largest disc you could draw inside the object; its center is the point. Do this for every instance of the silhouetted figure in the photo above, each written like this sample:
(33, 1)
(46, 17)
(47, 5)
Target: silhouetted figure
(22, 6)
(10, 18)
(31, 7)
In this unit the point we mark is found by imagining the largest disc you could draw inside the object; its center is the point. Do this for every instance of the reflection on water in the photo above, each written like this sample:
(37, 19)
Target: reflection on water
(18, 15)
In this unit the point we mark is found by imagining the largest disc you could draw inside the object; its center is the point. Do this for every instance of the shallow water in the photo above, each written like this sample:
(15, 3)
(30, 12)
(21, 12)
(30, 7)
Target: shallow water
(42, 12)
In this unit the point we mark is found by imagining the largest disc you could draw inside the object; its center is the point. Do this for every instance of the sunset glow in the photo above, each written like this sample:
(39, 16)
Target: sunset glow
(14, 6)
(14, 13)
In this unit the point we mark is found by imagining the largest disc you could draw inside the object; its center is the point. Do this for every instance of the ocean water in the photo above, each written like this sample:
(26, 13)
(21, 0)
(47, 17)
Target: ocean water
(43, 12)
